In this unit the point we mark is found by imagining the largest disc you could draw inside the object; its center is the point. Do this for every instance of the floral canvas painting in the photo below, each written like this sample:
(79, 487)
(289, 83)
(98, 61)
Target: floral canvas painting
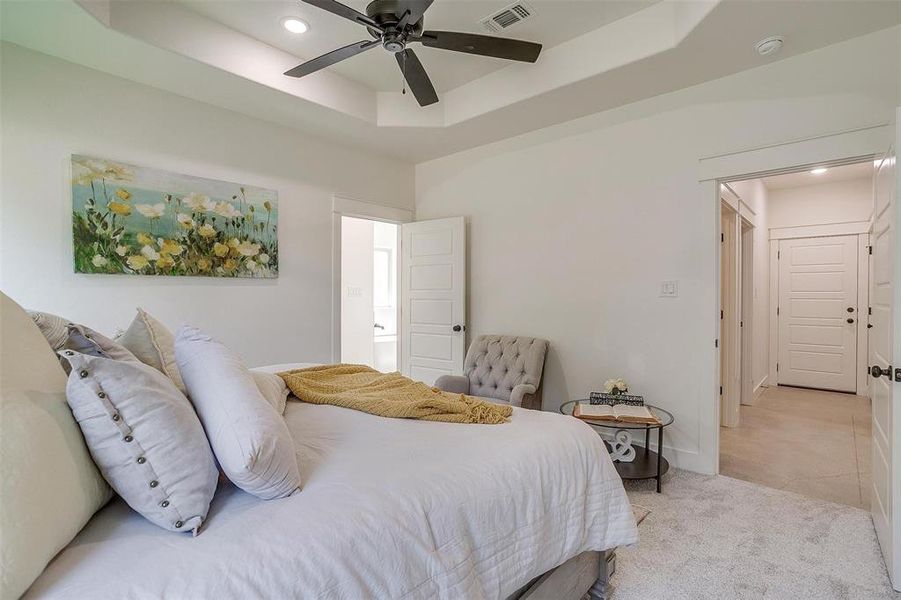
(140, 221)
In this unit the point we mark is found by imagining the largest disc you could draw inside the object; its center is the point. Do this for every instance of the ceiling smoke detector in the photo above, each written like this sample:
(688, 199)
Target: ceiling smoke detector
(770, 45)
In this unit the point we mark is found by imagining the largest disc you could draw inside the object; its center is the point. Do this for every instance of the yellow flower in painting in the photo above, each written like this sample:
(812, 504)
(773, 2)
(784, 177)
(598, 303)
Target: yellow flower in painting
(121, 250)
(119, 208)
(233, 243)
(150, 253)
(123, 194)
(220, 250)
(230, 264)
(207, 231)
(185, 220)
(204, 264)
(246, 248)
(144, 239)
(137, 262)
(165, 262)
(171, 247)
(98, 261)
(151, 211)
(268, 206)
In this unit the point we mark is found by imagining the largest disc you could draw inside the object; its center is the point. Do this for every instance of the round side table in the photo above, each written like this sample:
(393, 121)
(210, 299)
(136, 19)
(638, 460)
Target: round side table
(647, 463)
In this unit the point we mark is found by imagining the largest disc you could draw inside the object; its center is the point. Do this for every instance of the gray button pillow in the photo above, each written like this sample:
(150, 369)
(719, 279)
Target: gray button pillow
(249, 437)
(145, 437)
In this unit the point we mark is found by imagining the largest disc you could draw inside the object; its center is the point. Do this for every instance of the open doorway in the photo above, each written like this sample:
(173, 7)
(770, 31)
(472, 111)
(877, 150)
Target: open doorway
(369, 293)
(795, 408)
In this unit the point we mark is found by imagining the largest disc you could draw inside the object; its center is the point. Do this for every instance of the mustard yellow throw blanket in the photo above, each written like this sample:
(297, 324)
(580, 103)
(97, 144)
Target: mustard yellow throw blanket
(389, 395)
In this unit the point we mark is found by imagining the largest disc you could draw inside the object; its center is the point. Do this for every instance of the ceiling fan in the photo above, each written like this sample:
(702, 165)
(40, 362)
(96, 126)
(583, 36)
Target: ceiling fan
(395, 23)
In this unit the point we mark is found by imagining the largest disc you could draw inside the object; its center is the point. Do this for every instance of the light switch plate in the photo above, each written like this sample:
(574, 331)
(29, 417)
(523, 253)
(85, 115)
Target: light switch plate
(669, 289)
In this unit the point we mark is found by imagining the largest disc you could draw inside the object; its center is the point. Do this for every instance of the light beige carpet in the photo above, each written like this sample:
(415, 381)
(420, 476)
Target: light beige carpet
(718, 537)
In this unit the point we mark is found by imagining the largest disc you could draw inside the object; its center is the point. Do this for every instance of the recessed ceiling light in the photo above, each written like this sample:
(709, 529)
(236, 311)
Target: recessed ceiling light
(770, 45)
(818, 171)
(295, 25)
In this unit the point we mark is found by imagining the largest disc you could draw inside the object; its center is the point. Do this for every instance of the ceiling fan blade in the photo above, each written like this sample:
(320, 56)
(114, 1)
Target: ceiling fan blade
(327, 60)
(344, 11)
(416, 77)
(411, 11)
(484, 45)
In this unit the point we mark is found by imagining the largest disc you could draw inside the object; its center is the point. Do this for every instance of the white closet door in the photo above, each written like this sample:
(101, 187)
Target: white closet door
(433, 298)
(818, 313)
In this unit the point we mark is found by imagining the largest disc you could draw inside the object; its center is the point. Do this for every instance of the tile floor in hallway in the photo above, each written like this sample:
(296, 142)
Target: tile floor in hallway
(805, 441)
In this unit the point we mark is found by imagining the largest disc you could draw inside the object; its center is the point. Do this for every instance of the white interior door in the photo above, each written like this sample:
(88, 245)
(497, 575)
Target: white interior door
(818, 313)
(886, 480)
(433, 298)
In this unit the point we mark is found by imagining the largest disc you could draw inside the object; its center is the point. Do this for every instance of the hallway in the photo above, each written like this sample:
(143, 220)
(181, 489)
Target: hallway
(810, 442)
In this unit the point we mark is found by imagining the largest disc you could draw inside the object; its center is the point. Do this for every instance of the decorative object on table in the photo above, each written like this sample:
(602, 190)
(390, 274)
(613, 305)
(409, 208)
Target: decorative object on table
(621, 447)
(646, 464)
(615, 393)
(620, 413)
(136, 220)
(613, 399)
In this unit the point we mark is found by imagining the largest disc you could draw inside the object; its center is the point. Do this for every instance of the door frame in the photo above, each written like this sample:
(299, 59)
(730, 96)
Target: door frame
(830, 149)
(860, 230)
(730, 312)
(343, 206)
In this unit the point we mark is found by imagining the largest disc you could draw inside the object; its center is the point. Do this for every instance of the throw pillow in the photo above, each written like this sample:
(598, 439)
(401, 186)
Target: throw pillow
(249, 438)
(154, 345)
(145, 437)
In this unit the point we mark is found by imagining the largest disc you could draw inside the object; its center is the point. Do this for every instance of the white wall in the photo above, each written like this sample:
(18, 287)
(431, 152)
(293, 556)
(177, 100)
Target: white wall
(572, 228)
(754, 196)
(50, 109)
(821, 204)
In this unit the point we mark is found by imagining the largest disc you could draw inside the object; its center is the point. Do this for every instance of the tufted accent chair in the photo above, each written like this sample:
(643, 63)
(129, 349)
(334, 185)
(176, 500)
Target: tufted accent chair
(501, 368)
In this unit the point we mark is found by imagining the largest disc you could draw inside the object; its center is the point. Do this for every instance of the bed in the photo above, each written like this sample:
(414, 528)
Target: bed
(390, 508)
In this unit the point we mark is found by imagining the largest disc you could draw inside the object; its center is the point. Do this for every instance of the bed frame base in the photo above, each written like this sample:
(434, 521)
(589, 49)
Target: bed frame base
(588, 573)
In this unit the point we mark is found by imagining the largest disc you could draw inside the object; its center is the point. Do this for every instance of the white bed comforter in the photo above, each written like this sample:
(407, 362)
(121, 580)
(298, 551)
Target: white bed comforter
(390, 508)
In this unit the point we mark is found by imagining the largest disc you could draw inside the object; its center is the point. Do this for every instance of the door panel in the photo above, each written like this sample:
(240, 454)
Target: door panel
(433, 292)
(883, 503)
(817, 286)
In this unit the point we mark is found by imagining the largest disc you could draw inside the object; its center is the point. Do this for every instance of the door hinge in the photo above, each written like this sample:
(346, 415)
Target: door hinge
(721, 390)
(741, 323)
(870, 249)
(869, 310)
(722, 237)
(777, 367)
(721, 315)
(777, 311)
(716, 343)
(778, 254)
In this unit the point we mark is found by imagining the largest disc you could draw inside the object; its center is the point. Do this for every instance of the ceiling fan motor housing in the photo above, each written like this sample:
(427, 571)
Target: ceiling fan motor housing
(388, 13)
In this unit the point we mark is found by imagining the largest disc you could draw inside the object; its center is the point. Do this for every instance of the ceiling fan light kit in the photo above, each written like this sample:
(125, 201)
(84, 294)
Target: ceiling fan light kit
(393, 24)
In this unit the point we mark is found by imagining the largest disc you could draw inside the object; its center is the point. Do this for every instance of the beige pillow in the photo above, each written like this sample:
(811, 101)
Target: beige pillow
(49, 486)
(154, 345)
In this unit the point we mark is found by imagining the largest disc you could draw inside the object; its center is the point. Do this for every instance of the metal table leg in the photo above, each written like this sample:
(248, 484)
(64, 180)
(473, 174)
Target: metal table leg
(659, 454)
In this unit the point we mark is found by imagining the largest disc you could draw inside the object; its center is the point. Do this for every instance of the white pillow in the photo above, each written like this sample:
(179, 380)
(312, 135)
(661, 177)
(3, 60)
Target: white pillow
(273, 388)
(154, 345)
(145, 437)
(49, 486)
(249, 438)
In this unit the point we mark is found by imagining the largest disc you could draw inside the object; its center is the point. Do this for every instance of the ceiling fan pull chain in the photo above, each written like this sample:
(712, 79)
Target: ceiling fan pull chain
(404, 73)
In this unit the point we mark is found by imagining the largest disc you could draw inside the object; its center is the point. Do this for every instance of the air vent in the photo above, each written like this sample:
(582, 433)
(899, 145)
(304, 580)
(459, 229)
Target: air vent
(507, 17)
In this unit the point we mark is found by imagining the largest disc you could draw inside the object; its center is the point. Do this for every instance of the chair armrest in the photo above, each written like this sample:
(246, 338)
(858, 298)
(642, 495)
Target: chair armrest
(519, 392)
(455, 384)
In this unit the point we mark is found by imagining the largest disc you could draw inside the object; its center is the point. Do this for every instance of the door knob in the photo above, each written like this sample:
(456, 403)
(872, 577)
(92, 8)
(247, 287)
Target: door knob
(850, 320)
(458, 328)
(876, 371)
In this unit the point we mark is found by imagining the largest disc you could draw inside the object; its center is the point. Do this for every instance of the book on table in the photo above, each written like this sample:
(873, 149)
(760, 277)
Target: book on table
(618, 413)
